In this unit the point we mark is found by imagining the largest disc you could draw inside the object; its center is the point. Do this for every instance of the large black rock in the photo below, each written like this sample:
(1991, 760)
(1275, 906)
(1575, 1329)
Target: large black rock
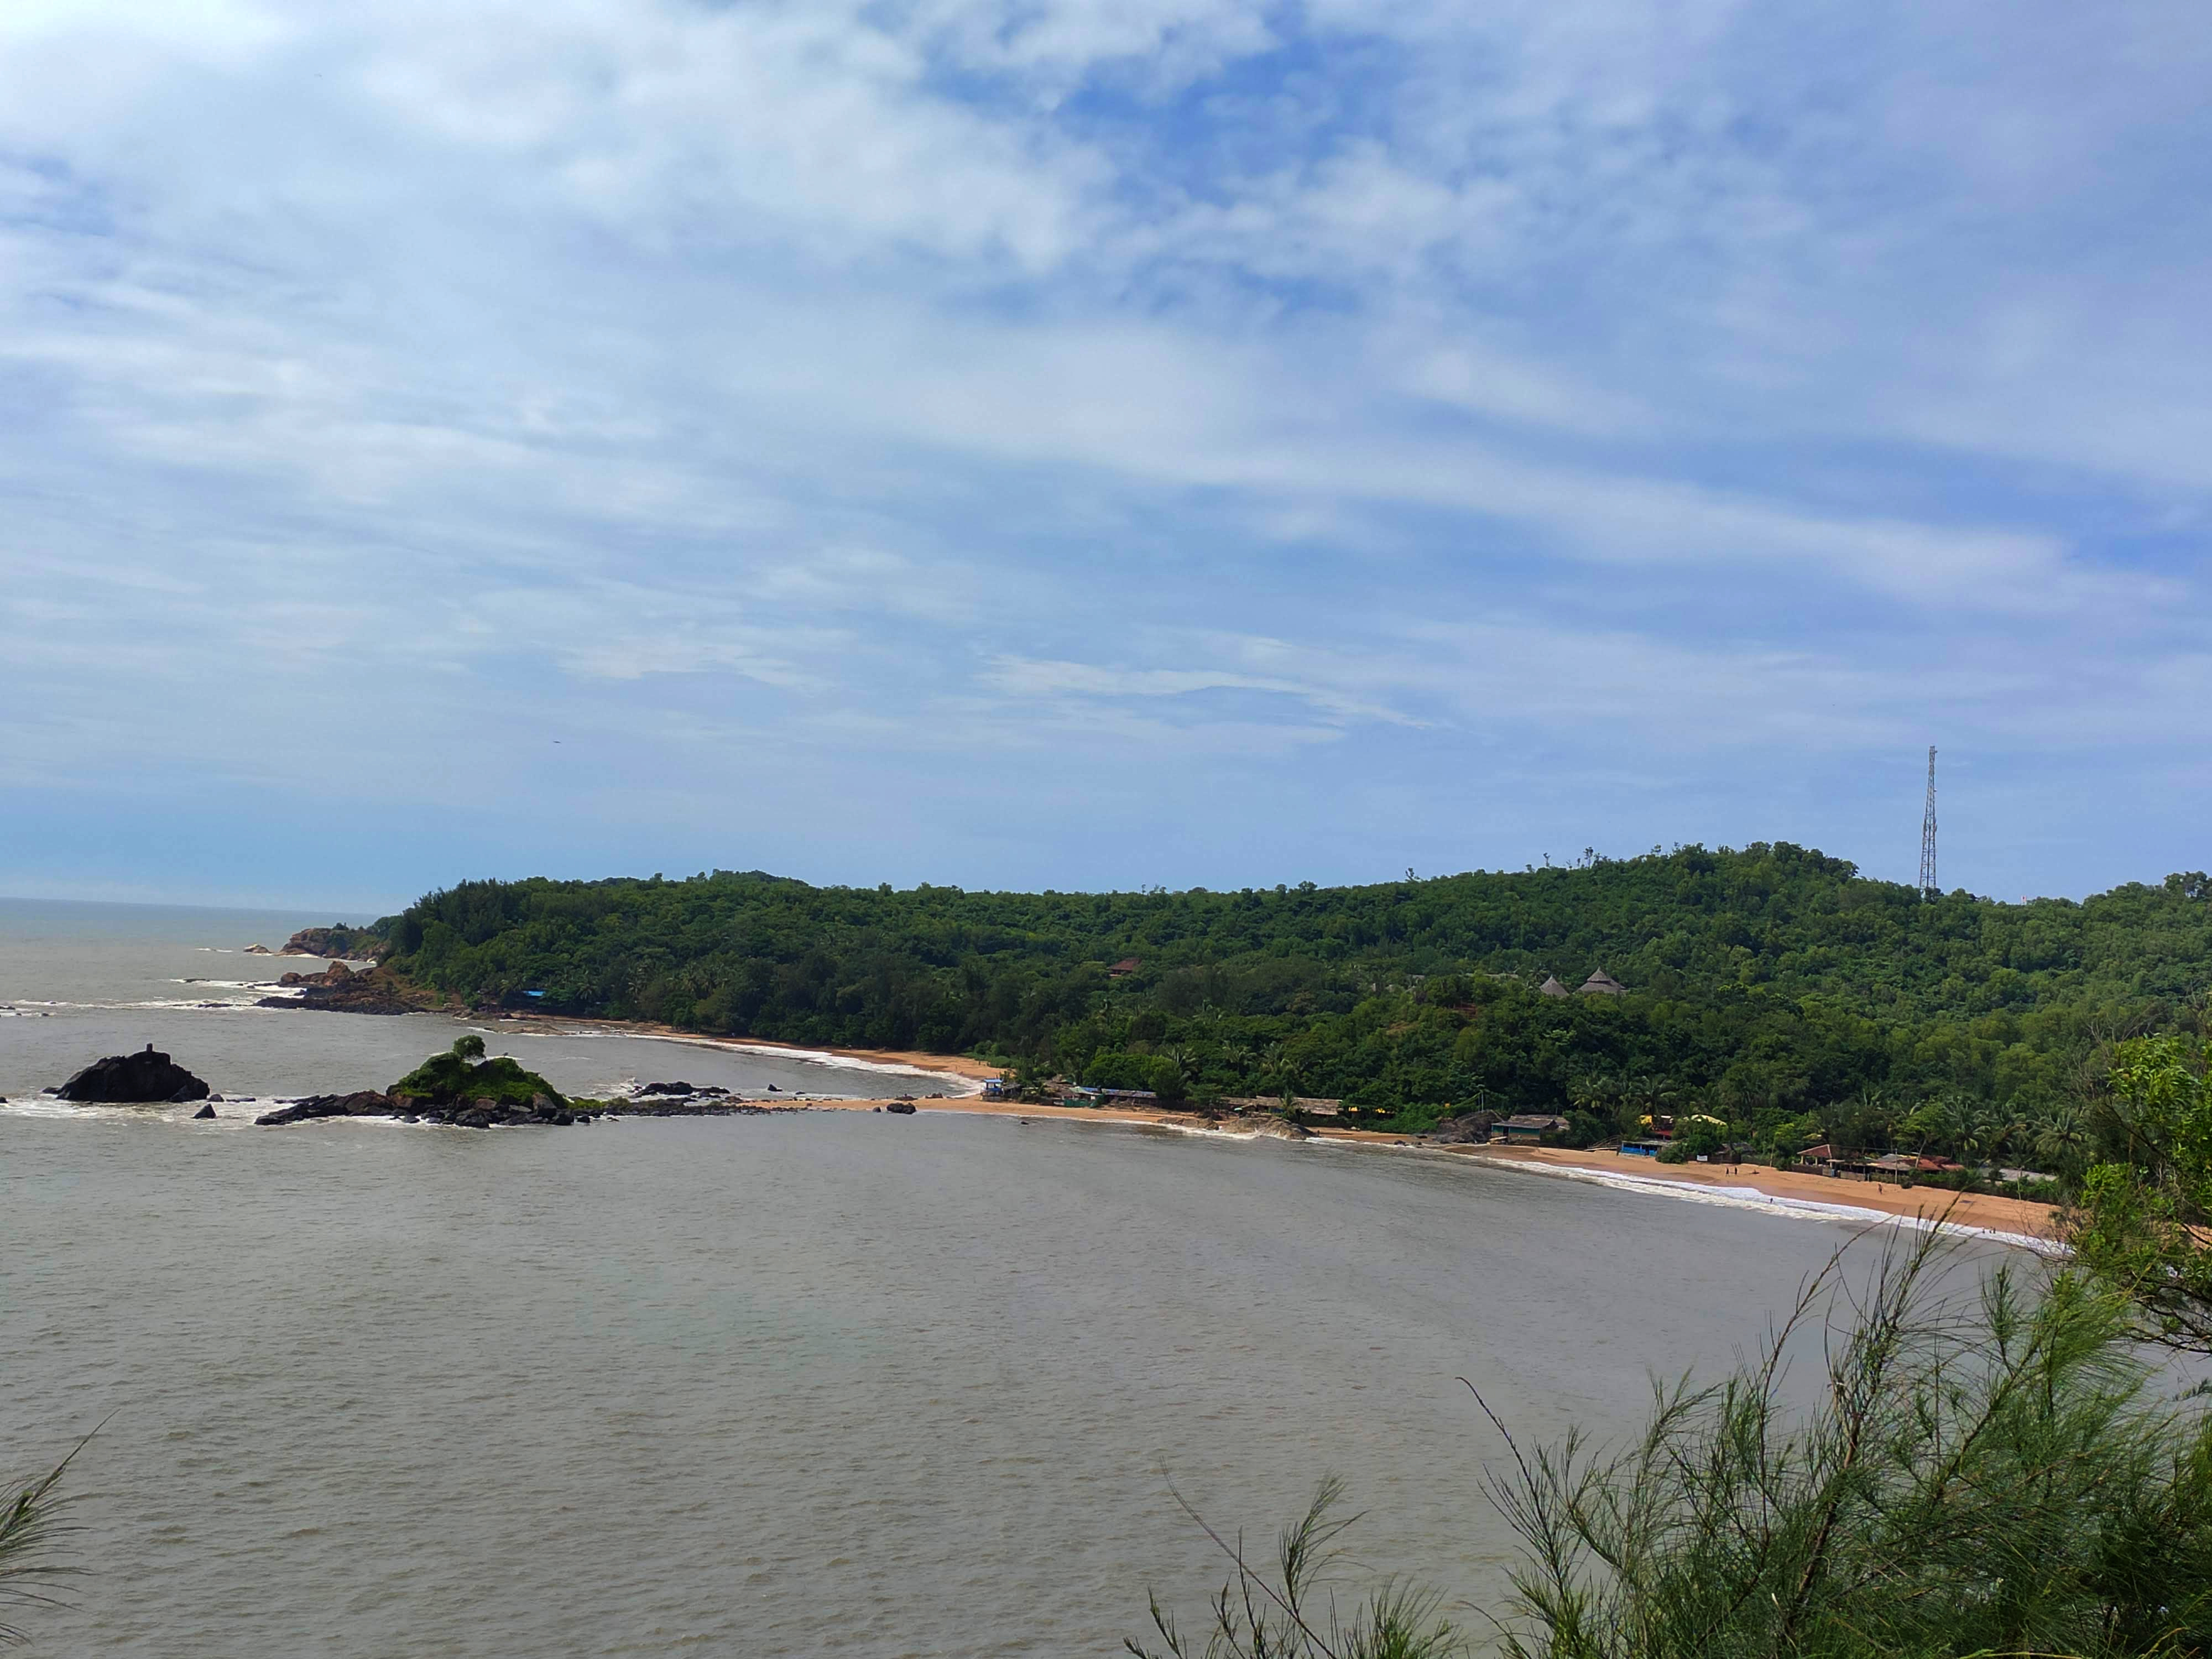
(144, 1076)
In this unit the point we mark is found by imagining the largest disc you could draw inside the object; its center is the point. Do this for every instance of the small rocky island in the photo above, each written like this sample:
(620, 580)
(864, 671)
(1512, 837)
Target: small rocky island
(133, 1079)
(459, 1086)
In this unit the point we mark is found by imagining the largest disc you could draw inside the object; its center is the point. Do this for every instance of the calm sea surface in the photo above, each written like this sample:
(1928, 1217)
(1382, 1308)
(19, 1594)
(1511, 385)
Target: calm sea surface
(822, 1383)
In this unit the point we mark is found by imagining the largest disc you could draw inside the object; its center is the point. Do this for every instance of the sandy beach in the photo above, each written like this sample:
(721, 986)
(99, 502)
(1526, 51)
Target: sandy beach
(1985, 1213)
(2005, 1218)
(2010, 1218)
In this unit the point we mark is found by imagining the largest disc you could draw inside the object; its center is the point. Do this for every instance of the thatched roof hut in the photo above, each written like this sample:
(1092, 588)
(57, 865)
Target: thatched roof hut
(1602, 984)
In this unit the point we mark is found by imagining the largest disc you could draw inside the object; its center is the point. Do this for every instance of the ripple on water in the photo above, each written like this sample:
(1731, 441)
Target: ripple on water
(838, 1382)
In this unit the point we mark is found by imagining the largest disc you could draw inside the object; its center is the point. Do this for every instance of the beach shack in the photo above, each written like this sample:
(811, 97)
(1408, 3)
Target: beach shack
(1641, 1148)
(1527, 1128)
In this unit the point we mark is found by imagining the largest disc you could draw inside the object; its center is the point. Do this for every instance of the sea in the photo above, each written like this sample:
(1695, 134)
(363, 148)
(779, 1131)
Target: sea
(819, 1382)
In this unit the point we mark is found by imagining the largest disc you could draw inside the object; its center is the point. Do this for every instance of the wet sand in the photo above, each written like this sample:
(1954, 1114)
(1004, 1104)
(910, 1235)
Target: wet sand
(1981, 1211)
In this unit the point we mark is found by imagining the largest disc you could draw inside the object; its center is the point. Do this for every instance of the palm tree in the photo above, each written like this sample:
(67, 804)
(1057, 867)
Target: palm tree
(2062, 1136)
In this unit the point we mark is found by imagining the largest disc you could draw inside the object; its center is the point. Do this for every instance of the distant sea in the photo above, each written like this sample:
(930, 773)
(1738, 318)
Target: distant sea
(810, 1384)
(80, 981)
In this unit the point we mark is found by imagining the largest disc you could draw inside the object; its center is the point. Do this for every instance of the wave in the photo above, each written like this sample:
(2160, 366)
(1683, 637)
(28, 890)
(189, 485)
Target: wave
(1801, 1209)
(225, 1005)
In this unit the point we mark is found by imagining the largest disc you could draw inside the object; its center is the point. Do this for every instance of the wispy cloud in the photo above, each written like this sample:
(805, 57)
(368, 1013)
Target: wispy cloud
(1635, 399)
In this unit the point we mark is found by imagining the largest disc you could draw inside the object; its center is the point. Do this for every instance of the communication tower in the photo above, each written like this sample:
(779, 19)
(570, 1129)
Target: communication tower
(1927, 833)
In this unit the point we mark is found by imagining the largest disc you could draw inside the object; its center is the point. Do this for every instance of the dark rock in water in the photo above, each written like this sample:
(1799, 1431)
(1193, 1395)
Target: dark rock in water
(904, 1106)
(144, 1076)
(205, 1111)
(365, 1103)
(475, 1118)
(773, 1090)
(217, 1098)
(668, 1089)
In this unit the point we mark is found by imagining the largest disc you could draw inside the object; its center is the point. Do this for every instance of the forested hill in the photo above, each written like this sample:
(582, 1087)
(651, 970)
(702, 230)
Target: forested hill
(1773, 976)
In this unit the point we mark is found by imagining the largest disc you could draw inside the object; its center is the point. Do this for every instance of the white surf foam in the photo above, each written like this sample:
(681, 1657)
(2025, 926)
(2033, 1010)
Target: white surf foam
(1750, 1198)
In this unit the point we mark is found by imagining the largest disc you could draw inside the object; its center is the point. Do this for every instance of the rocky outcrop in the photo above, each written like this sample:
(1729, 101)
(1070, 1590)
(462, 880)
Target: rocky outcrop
(205, 1111)
(339, 990)
(357, 943)
(144, 1076)
(465, 1113)
(1280, 1129)
(1468, 1129)
(337, 973)
(903, 1107)
(699, 1105)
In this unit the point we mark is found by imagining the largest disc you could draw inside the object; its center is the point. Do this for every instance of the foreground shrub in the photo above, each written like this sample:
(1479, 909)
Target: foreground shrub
(1989, 1476)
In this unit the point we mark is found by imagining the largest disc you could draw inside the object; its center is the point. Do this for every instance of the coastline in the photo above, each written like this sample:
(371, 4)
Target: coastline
(2013, 1221)
(960, 1079)
(958, 1067)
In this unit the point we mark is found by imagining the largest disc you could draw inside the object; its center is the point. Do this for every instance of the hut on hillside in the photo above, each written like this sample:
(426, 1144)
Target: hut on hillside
(1551, 988)
(1602, 984)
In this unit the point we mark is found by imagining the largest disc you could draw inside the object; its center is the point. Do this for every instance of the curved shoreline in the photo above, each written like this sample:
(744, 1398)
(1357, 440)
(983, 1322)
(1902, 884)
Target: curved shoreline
(2012, 1221)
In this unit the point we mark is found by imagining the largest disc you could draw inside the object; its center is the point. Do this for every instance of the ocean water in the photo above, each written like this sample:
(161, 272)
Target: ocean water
(820, 1382)
(80, 981)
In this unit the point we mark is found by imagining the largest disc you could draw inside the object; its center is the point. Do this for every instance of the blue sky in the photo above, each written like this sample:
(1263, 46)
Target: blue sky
(1179, 442)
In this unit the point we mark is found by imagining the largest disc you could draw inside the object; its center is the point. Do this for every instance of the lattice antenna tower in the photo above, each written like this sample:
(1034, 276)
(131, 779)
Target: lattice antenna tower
(1927, 833)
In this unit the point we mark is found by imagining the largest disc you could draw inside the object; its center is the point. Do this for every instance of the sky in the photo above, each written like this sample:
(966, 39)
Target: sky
(1175, 442)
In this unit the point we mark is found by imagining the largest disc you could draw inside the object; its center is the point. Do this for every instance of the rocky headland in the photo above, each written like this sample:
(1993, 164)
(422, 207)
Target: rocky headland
(339, 989)
(353, 944)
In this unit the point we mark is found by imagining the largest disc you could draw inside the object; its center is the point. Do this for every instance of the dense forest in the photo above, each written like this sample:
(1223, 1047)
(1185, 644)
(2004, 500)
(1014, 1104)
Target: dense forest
(1771, 988)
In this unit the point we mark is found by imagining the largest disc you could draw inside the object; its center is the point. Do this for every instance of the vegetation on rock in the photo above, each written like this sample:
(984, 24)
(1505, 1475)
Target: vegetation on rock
(462, 1074)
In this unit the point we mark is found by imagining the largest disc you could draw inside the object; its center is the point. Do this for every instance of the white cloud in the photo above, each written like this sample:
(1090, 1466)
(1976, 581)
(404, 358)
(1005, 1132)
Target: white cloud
(1410, 380)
